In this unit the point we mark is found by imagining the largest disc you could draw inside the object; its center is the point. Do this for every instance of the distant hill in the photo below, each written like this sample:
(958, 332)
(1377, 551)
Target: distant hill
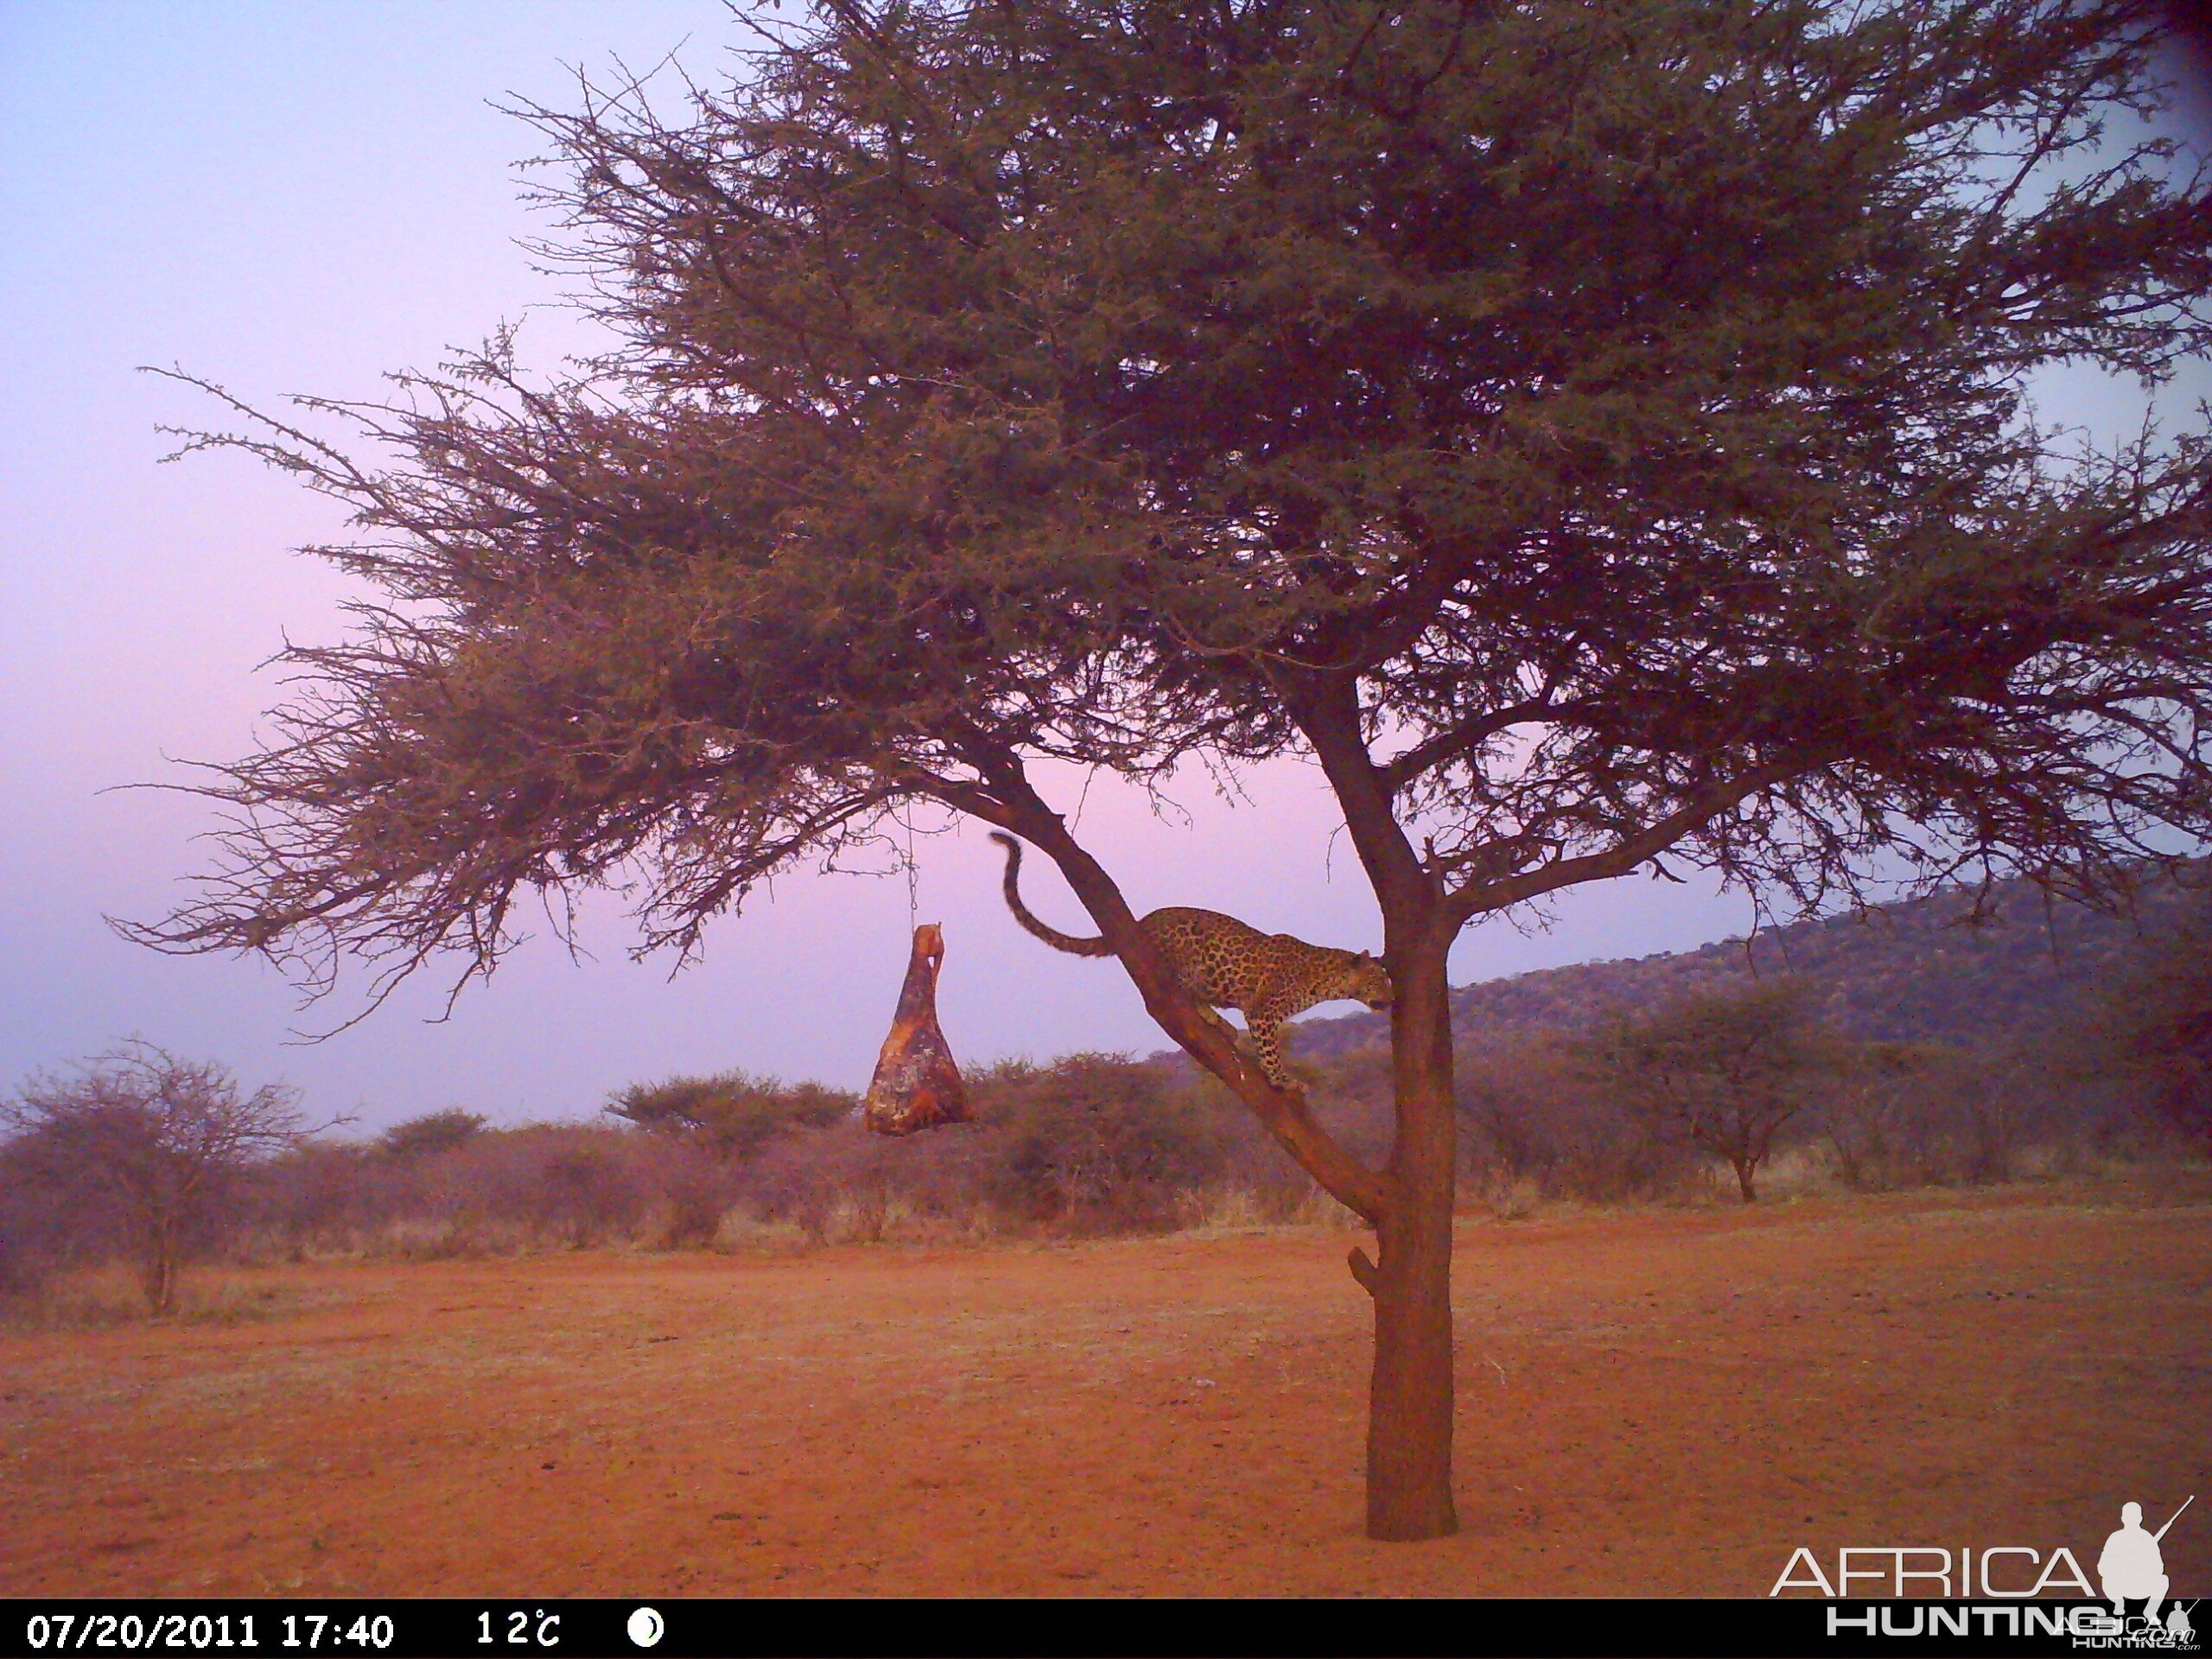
(1915, 971)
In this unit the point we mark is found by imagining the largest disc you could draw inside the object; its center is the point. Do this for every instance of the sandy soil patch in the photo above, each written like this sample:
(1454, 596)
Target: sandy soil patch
(1657, 1402)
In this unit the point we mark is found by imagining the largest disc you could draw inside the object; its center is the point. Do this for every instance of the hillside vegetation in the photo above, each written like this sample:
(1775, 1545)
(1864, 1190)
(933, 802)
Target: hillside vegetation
(1932, 970)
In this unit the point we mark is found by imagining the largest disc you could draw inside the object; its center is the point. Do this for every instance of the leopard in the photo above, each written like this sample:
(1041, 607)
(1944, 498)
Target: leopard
(1226, 963)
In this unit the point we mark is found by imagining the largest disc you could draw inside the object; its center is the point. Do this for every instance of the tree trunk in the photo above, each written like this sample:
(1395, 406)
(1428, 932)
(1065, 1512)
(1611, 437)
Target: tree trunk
(1409, 1420)
(1409, 1423)
(1744, 1168)
(157, 1270)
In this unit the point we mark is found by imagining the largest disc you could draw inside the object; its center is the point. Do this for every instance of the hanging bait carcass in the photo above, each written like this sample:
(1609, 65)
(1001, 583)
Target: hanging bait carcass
(916, 1085)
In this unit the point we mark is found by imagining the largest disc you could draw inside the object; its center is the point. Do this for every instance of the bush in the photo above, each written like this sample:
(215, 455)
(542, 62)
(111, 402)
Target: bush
(1097, 1142)
(1540, 1122)
(1090, 1144)
(2155, 1027)
(144, 1154)
(1721, 1071)
(839, 1182)
(536, 1186)
(324, 1195)
(31, 1236)
(432, 1133)
(731, 1113)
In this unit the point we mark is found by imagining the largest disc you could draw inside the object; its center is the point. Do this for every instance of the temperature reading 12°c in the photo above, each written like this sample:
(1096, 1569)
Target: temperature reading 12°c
(518, 1627)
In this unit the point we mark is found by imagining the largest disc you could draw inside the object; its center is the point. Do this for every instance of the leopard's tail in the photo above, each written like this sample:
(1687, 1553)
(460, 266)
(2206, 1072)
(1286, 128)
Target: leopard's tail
(1053, 937)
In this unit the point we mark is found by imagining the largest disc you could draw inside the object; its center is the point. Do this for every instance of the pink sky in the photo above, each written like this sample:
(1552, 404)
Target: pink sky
(298, 199)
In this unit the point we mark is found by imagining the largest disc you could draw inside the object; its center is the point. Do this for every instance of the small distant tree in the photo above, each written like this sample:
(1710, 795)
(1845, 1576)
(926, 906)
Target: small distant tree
(733, 1113)
(1721, 1071)
(151, 1146)
(430, 1134)
(1871, 1113)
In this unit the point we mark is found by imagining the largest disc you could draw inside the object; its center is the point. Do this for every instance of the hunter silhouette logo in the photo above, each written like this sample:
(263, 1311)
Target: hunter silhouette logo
(2132, 1569)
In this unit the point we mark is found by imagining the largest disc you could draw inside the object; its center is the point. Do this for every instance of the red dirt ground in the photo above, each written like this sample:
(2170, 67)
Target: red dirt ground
(1664, 1402)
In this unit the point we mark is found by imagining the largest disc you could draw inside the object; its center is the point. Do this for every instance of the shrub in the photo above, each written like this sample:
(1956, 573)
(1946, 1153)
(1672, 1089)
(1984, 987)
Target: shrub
(2155, 1025)
(1097, 1142)
(732, 1113)
(145, 1153)
(1540, 1121)
(432, 1133)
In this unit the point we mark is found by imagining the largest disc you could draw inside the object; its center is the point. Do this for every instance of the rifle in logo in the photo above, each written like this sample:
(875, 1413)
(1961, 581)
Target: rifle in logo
(2161, 1532)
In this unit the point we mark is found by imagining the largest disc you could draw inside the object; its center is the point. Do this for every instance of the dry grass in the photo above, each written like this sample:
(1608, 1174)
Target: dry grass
(1661, 1400)
(108, 1296)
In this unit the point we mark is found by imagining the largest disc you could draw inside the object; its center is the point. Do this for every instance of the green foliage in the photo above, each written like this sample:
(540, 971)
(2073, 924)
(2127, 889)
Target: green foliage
(430, 1134)
(733, 1113)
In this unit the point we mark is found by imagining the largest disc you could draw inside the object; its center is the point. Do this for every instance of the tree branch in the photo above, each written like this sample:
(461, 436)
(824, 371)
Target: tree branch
(1206, 1039)
(1326, 708)
(1475, 898)
(1424, 756)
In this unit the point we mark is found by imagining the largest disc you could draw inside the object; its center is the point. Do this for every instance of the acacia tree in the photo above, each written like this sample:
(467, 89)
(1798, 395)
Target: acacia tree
(430, 1134)
(1720, 1070)
(1590, 433)
(733, 1113)
(151, 1147)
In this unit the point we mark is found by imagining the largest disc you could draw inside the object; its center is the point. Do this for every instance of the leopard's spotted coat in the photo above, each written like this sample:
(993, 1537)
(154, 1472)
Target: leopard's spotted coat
(1224, 963)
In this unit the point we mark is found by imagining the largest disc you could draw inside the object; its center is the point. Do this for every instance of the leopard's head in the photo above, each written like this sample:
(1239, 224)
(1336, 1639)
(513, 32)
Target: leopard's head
(1367, 981)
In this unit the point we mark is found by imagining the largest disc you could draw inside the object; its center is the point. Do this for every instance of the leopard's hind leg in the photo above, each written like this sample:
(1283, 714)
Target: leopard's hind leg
(1264, 1030)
